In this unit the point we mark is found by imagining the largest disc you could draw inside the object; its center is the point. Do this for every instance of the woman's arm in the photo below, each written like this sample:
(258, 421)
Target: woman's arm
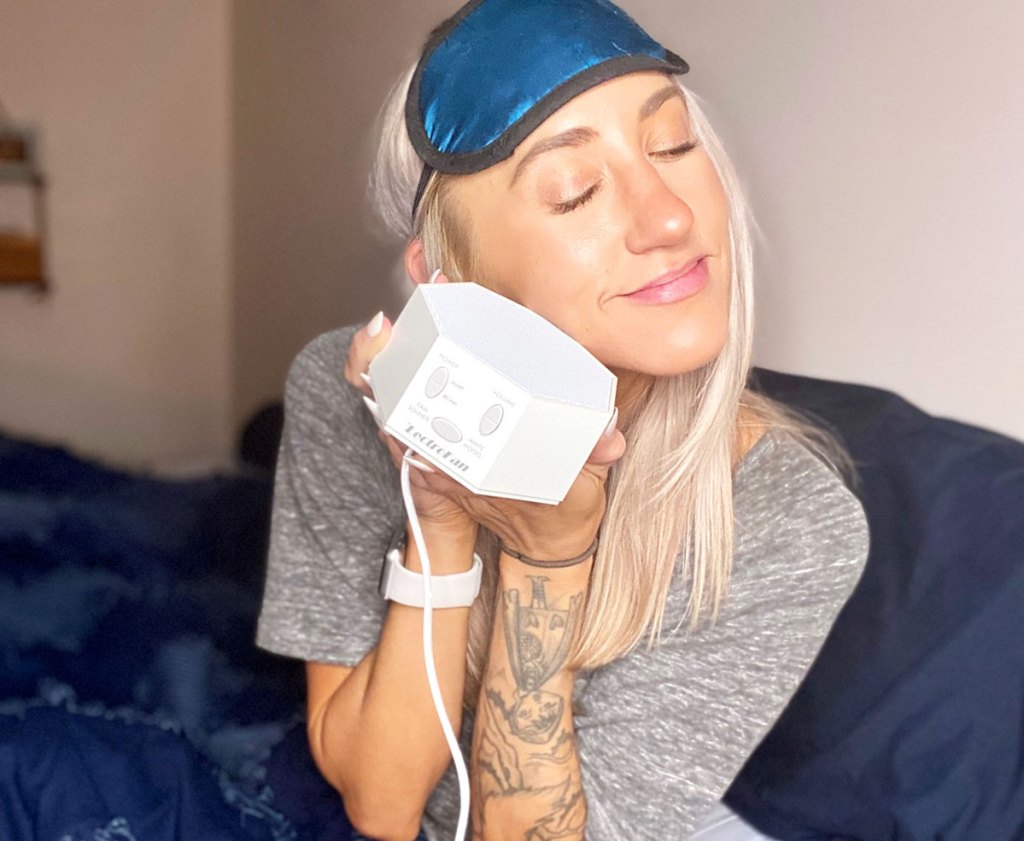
(373, 729)
(524, 769)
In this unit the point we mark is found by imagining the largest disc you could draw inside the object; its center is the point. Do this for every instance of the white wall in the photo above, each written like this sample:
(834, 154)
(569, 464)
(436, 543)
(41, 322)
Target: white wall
(891, 253)
(129, 358)
(309, 80)
(881, 142)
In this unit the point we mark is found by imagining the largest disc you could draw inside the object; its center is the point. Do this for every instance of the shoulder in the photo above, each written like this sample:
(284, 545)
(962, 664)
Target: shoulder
(780, 480)
(795, 515)
(317, 397)
(328, 433)
(320, 364)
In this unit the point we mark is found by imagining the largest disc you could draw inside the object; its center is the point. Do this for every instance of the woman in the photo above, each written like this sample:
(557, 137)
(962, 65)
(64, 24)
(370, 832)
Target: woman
(610, 687)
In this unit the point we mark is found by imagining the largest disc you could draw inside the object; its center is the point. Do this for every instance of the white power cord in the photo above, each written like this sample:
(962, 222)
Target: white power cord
(428, 652)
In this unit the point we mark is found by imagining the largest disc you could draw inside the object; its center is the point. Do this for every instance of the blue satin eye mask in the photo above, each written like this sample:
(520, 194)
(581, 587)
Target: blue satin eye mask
(497, 69)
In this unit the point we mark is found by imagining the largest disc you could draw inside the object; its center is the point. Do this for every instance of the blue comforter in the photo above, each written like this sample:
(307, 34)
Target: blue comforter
(133, 704)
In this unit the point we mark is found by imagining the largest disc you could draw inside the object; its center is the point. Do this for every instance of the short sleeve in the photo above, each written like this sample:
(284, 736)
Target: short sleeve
(663, 732)
(336, 500)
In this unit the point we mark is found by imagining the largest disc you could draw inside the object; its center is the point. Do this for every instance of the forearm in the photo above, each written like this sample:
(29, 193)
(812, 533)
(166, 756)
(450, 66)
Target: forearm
(377, 738)
(524, 768)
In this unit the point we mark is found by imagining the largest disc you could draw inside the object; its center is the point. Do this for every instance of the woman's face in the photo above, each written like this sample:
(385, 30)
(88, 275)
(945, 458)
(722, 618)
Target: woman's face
(608, 222)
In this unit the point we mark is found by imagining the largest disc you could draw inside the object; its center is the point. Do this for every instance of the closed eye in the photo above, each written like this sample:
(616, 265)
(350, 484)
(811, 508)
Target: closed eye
(676, 151)
(588, 194)
(579, 201)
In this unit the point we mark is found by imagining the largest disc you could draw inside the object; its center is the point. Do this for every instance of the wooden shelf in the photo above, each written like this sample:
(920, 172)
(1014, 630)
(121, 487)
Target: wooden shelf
(21, 261)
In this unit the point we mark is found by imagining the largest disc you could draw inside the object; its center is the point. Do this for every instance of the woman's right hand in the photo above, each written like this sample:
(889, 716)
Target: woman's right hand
(436, 510)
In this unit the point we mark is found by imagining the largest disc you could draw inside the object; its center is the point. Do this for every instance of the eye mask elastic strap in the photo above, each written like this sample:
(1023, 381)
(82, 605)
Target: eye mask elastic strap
(421, 189)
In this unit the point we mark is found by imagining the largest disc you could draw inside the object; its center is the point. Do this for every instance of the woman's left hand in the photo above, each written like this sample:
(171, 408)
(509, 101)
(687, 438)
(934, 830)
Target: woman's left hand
(536, 529)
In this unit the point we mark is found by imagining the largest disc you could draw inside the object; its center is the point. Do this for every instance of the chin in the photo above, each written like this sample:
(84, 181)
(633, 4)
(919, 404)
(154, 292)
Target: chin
(675, 367)
(681, 352)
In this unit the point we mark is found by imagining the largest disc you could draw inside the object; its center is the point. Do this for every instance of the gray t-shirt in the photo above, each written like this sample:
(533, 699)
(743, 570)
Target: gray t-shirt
(661, 733)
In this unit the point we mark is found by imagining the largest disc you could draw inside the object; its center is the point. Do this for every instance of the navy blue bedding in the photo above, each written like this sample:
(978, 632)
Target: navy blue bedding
(133, 703)
(135, 707)
(910, 724)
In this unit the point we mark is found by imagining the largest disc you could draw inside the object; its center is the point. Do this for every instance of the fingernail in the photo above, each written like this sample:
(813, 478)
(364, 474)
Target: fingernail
(433, 277)
(419, 465)
(374, 411)
(373, 328)
(366, 378)
(610, 429)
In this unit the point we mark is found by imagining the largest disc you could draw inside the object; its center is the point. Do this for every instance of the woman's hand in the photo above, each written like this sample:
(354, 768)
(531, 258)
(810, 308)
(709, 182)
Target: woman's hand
(535, 529)
(552, 532)
(433, 508)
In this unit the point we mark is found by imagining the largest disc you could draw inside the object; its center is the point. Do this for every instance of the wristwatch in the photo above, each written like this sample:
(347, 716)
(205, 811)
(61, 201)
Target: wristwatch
(404, 586)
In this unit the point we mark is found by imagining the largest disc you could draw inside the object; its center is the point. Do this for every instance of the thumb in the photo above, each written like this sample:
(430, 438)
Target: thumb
(609, 449)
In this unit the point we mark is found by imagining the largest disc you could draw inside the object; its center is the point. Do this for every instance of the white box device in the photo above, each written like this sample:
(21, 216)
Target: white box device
(491, 393)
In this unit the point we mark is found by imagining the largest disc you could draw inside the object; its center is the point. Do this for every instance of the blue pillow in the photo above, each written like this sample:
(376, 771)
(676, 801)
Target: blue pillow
(910, 723)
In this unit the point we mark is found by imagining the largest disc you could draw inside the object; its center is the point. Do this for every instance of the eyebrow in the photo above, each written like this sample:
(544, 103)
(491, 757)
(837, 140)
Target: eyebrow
(659, 98)
(579, 136)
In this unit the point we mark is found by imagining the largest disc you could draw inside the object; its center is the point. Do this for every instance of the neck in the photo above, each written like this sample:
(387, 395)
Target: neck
(633, 388)
(630, 393)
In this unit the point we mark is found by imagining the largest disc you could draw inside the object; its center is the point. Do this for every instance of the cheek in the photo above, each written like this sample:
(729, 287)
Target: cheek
(548, 268)
(716, 206)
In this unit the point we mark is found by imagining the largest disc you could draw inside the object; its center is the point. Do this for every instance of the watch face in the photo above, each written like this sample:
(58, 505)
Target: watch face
(382, 584)
(396, 544)
(397, 541)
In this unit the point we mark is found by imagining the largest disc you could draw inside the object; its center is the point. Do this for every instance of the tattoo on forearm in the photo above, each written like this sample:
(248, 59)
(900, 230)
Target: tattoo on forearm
(538, 637)
(527, 770)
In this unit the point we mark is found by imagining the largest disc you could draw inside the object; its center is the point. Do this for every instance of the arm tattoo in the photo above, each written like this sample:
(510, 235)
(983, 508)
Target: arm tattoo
(526, 770)
(538, 636)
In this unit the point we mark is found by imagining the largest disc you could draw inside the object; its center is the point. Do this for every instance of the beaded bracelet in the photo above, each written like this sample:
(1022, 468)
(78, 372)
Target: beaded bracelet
(551, 564)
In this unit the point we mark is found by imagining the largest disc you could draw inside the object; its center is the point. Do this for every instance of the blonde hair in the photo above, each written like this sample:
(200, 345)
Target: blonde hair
(669, 499)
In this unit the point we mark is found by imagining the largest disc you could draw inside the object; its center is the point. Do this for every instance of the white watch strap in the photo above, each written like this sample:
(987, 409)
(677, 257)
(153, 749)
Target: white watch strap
(404, 586)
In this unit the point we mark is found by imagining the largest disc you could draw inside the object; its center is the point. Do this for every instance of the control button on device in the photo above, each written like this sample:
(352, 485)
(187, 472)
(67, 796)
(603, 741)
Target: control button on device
(491, 419)
(447, 430)
(437, 381)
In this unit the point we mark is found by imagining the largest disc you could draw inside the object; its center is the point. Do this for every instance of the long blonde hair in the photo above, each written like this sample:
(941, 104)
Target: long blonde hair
(669, 499)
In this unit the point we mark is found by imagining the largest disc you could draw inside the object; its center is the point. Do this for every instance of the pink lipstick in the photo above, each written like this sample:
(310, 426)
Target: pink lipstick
(674, 285)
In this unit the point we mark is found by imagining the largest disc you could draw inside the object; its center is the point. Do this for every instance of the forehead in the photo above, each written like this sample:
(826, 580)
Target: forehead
(621, 97)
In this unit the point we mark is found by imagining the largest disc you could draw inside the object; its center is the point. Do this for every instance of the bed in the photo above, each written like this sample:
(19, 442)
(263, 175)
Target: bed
(135, 707)
(133, 703)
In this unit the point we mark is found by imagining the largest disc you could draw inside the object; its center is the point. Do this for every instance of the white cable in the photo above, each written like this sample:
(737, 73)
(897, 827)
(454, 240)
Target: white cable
(428, 654)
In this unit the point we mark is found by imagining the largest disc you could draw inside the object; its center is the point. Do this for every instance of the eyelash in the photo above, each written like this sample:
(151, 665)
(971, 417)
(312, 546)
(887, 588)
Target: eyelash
(581, 199)
(678, 151)
(588, 194)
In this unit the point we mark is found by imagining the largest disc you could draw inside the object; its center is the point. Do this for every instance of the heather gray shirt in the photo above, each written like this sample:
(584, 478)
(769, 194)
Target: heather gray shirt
(661, 733)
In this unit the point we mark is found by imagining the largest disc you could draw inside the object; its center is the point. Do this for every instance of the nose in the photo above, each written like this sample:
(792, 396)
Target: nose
(659, 217)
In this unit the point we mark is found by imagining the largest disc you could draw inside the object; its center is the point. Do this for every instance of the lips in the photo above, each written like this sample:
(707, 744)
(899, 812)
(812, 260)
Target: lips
(669, 276)
(672, 286)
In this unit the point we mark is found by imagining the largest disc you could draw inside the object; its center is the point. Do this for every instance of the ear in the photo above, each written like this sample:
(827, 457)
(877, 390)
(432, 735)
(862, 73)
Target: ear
(416, 261)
